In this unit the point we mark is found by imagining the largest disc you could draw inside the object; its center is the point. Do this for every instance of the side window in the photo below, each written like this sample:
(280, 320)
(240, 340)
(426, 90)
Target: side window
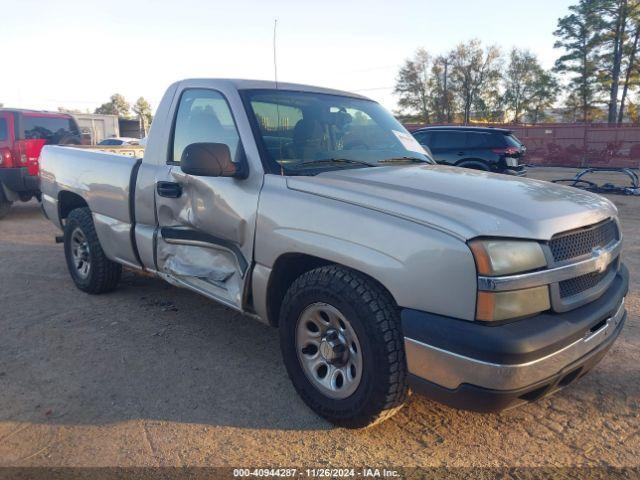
(204, 117)
(478, 140)
(3, 130)
(52, 128)
(424, 138)
(448, 140)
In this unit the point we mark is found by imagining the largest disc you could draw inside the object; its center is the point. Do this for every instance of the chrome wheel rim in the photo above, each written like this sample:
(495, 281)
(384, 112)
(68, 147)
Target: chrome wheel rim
(329, 350)
(80, 253)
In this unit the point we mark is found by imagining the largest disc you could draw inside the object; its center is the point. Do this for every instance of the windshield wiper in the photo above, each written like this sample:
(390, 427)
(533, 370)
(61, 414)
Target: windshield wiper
(324, 161)
(405, 160)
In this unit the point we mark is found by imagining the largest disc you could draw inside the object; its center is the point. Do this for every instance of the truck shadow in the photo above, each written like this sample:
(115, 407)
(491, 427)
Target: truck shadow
(147, 351)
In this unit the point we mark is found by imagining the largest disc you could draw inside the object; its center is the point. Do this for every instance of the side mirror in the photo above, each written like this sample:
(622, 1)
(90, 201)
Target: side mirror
(208, 160)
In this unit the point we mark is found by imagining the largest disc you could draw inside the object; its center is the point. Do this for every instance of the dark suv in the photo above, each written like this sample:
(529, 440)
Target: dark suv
(489, 149)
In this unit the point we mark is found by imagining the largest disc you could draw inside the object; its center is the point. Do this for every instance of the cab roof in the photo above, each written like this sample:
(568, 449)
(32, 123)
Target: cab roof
(242, 84)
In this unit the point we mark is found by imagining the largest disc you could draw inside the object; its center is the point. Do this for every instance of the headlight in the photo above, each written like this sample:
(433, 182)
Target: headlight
(506, 257)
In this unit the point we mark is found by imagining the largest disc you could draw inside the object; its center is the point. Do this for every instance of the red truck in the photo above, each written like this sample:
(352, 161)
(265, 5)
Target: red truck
(23, 133)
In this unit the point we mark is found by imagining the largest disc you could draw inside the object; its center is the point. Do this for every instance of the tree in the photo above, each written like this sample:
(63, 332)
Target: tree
(528, 88)
(441, 97)
(578, 34)
(632, 68)
(412, 86)
(545, 92)
(474, 73)
(142, 109)
(117, 105)
(520, 77)
(616, 22)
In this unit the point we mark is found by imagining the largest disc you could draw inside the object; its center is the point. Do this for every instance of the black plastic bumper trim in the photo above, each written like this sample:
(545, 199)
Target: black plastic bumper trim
(517, 342)
(479, 399)
(19, 180)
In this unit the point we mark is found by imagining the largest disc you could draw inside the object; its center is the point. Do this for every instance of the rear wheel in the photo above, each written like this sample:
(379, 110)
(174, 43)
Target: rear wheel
(90, 269)
(342, 346)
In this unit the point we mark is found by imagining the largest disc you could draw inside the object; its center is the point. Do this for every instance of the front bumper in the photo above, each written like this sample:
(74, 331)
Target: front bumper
(490, 368)
(19, 181)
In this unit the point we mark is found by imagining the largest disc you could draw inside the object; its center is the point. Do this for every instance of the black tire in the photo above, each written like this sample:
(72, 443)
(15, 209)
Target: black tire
(372, 313)
(103, 274)
(5, 206)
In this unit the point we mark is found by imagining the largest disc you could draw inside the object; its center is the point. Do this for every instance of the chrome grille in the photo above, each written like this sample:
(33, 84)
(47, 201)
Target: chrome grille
(574, 286)
(577, 243)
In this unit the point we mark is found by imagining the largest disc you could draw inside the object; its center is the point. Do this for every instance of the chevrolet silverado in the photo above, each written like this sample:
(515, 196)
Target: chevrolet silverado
(316, 212)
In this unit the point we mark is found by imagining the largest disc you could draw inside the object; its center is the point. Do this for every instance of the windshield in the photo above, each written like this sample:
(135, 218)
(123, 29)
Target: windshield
(303, 133)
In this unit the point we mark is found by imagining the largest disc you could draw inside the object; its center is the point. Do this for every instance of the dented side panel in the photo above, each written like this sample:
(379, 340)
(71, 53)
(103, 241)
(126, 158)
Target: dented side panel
(220, 213)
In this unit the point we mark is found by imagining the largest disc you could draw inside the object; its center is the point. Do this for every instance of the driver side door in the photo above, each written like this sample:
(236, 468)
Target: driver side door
(206, 224)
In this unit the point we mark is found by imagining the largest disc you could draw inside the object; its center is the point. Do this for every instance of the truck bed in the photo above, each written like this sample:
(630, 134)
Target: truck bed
(102, 181)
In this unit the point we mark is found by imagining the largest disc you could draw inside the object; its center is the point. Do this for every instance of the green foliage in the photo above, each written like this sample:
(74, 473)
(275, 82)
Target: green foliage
(600, 39)
(441, 96)
(142, 109)
(529, 89)
(579, 35)
(449, 86)
(117, 105)
(475, 77)
(412, 85)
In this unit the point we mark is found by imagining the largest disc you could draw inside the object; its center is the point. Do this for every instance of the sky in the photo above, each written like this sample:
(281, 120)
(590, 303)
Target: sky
(76, 54)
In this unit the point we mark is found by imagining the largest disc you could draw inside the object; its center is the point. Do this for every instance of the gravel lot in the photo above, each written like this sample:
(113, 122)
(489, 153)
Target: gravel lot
(151, 375)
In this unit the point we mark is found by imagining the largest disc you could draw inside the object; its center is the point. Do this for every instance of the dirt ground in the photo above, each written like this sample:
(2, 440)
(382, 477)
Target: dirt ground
(152, 375)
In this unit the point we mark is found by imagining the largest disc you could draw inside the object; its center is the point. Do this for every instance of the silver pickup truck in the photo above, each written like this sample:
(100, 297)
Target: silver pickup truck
(315, 211)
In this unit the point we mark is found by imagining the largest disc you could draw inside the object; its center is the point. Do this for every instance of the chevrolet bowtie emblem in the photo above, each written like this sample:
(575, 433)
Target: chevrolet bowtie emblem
(602, 259)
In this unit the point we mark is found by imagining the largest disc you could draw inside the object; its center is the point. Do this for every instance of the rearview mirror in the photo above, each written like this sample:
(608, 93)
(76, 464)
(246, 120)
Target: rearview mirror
(208, 160)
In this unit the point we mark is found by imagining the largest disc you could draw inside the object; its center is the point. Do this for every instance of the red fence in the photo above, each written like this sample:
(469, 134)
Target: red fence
(578, 145)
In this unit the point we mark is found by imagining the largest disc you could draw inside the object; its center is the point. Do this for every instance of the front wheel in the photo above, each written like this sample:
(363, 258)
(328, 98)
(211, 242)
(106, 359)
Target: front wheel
(342, 346)
(90, 269)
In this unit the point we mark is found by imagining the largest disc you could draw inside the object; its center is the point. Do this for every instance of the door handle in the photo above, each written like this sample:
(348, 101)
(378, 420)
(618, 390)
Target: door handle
(169, 189)
(461, 153)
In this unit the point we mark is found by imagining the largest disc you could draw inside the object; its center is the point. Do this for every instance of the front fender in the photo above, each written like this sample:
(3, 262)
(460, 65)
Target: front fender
(422, 268)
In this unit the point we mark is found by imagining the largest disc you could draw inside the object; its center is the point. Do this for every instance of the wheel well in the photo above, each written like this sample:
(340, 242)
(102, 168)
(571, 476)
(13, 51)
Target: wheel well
(286, 270)
(69, 201)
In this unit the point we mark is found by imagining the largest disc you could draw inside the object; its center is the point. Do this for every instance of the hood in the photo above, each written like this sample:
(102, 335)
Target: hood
(465, 203)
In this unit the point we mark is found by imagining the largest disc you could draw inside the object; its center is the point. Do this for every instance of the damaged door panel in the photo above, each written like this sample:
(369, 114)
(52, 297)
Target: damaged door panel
(191, 207)
(205, 268)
